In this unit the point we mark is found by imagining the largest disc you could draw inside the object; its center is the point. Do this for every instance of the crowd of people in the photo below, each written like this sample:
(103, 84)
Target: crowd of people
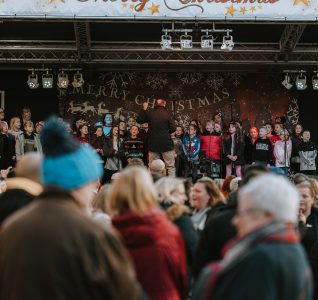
(119, 220)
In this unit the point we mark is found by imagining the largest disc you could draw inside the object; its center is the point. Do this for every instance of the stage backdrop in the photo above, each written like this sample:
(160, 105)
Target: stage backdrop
(162, 9)
(254, 99)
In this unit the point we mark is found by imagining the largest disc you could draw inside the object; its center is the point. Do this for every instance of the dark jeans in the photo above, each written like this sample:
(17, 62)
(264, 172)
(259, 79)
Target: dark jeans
(191, 167)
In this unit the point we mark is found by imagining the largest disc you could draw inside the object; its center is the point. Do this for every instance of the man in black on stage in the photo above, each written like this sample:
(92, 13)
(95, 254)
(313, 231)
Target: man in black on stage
(161, 125)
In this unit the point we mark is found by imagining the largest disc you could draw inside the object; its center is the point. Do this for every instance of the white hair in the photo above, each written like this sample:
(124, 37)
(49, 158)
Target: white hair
(234, 184)
(274, 194)
(166, 186)
(157, 166)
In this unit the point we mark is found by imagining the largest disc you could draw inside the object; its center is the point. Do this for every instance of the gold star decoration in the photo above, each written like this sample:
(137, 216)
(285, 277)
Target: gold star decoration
(154, 8)
(132, 7)
(243, 10)
(306, 2)
(253, 8)
(231, 10)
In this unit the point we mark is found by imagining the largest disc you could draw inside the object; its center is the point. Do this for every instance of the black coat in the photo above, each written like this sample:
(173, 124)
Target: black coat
(238, 150)
(217, 232)
(161, 125)
(7, 150)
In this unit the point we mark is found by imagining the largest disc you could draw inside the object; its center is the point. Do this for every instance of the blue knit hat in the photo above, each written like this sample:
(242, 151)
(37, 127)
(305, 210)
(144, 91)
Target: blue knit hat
(67, 163)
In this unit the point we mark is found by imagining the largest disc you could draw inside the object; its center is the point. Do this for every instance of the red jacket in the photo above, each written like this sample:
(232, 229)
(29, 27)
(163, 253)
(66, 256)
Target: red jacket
(158, 253)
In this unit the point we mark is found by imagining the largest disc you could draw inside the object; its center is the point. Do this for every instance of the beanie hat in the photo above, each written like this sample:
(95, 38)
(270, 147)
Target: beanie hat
(67, 163)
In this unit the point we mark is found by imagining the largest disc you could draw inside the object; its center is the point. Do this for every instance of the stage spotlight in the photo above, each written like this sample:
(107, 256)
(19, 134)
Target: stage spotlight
(62, 80)
(315, 82)
(33, 81)
(286, 82)
(228, 43)
(78, 80)
(47, 80)
(301, 82)
(207, 41)
(186, 41)
(166, 42)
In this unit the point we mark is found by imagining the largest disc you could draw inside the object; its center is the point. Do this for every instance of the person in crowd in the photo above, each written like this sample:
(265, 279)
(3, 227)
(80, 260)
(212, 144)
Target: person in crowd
(172, 197)
(206, 200)
(114, 152)
(267, 241)
(98, 141)
(143, 134)
(217, 129)
(296, 138)
(249, 145)
(208, 128)
(122, 129)
(177, 137)
(135, 161)
(314, 184)
(73, 257)
(282, 151)
(308, 222)
(218, 119)
(24, 187)
(161, 125)
(77, 123)
(133, 145)
(7, 147)
(131, 122)
(198, 126)
(157, 169)
(234, 184)
(273, 137)
(299, 177)
(38, 127)
(108, 124)
(191, 150)
(82, 134)
(308, 154)
(99, 210)
(154, 243)
(26, 114)
(262, 149)
(15, 126)
(28, 141)
(269, 129)
(219, 230)
(225, 189)
(219, 182)
(233, 150)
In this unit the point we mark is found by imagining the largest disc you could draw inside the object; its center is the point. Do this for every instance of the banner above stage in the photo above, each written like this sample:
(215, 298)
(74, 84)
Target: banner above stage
(162, 9)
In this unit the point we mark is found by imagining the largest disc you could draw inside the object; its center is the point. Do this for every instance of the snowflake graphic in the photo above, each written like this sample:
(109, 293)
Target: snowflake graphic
(175, 91)
(156, 81)
(235, 78)
(118, 79)
(183, 120)
(293, 112)
(215, 81)
(189, 78)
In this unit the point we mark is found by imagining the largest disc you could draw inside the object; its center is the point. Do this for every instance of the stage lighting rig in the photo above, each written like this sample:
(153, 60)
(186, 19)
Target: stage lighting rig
(315, 81)
(301, 82)
(62, 80)
(33, 81)
(207, 40)
(227, 43)
(286, 82)
(47, 80)
(78, 80)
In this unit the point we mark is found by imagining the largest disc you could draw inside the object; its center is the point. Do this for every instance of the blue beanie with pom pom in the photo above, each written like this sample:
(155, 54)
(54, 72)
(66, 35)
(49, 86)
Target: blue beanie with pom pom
(67, 163)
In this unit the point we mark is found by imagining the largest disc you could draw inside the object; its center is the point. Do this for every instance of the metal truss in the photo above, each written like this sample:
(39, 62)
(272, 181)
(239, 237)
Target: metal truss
(83, 39)
(291, 36)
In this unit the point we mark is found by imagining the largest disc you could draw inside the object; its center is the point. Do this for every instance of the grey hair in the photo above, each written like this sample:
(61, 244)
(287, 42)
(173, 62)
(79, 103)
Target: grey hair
(165, 187)
(274, 194)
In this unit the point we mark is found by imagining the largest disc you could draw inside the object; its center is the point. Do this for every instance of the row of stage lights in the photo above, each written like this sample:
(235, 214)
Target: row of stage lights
(207, 40)
(300, 81)
(48, 79)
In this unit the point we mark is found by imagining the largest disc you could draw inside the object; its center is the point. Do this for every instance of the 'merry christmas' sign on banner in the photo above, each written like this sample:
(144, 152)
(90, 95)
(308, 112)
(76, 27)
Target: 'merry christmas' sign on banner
(254, 99)
(162, 9)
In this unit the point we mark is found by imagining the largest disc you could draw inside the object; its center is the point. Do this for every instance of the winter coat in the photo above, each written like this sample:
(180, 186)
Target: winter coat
(308, 154)
(191, 147)
(261, 265)
(262, 151)
(282, 155)
(295, 148)
(161, 125)
(179, 215)
(7, 151)
(19, 145)
(238, 150)
(158, 252)
(54, 251)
